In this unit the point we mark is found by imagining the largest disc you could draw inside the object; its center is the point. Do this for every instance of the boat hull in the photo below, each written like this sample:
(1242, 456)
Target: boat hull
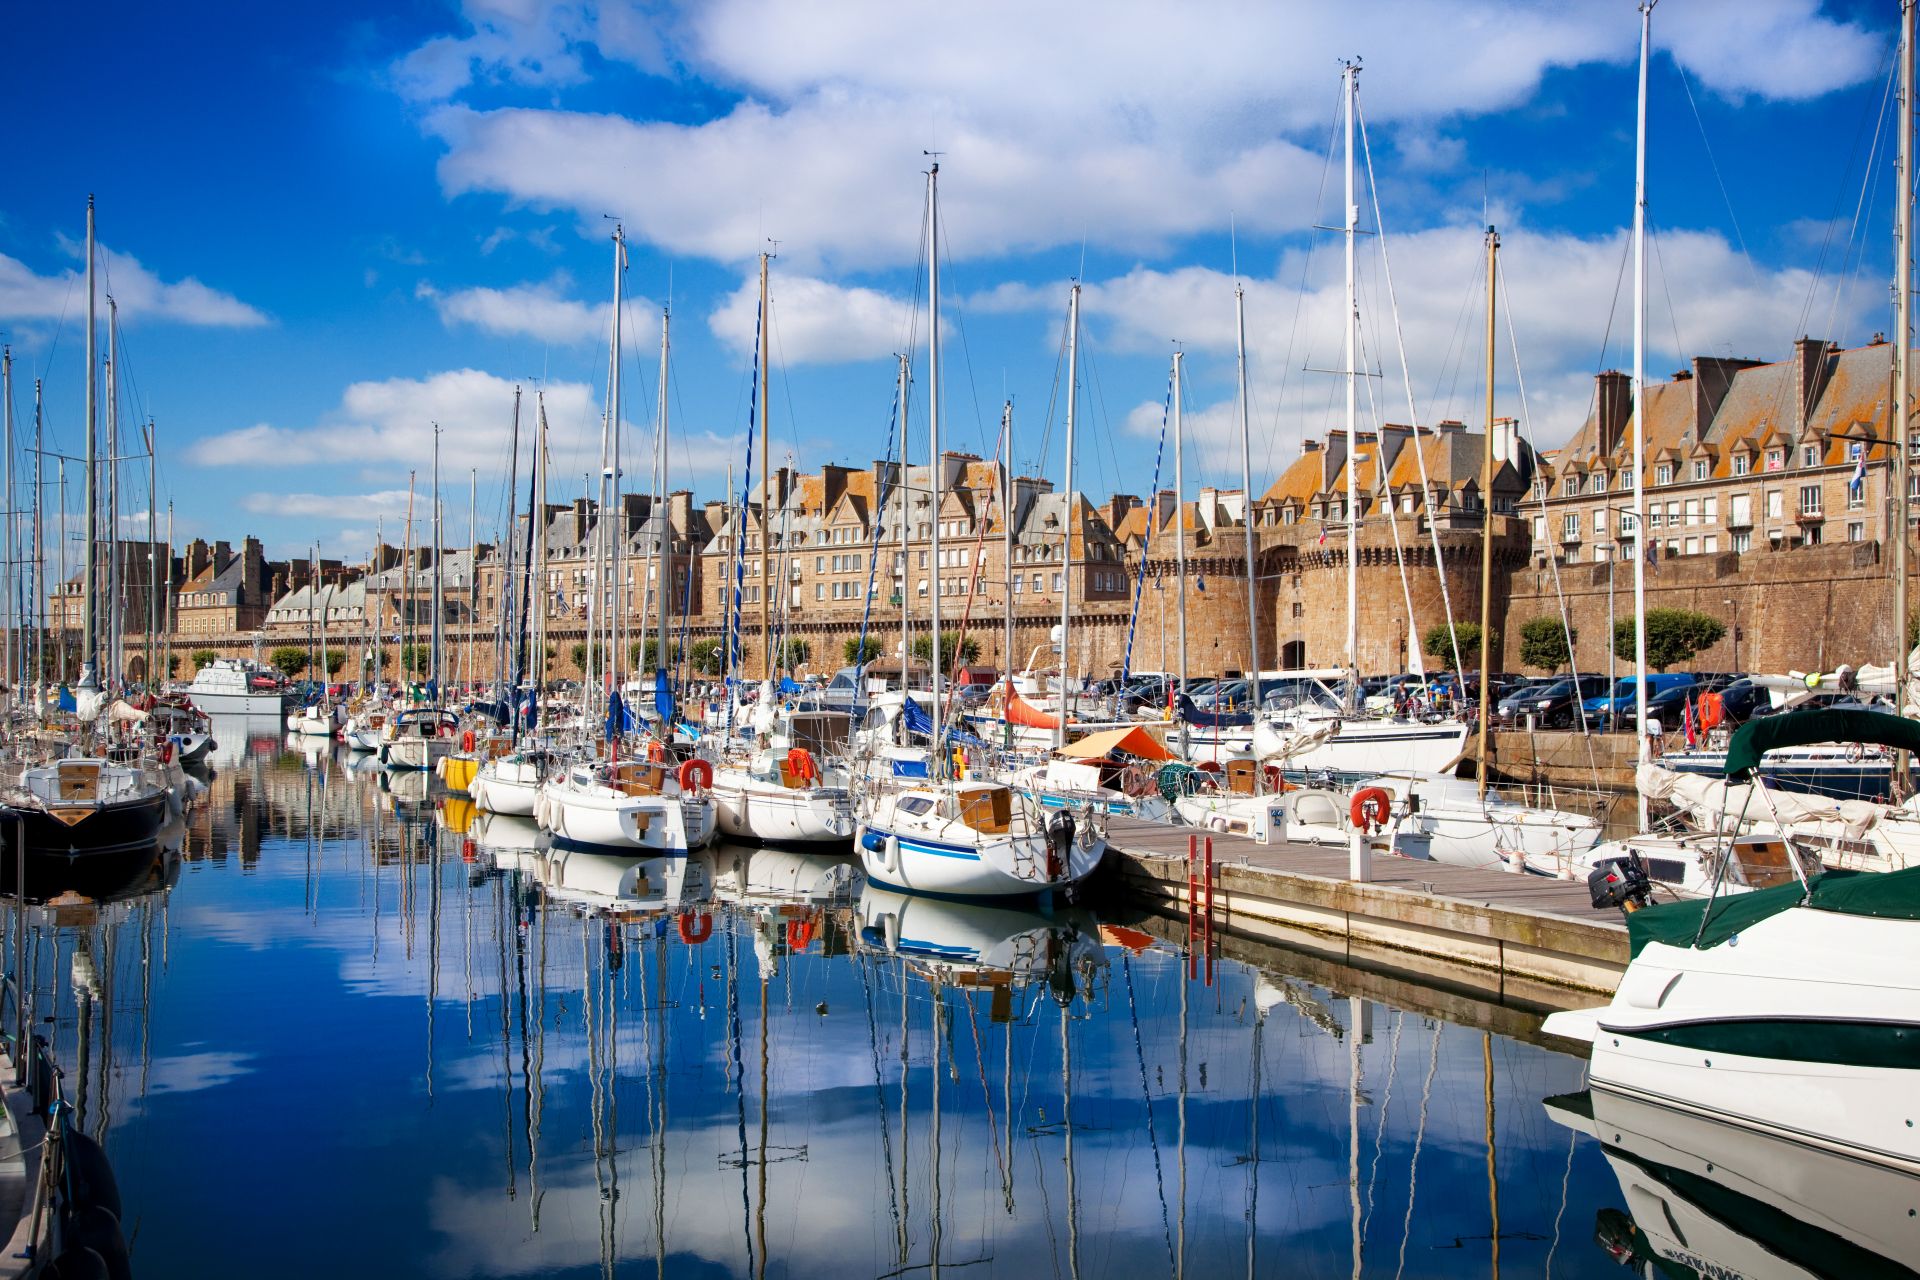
(113, 827)
(605, 819)
(749, 808)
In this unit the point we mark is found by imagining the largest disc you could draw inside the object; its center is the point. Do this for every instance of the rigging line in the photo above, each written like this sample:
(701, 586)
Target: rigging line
(1713, 163)
(1553, 561)
(1380, 1131)
(966, 350)
(1385, 491)
(1306, 259)
(1039, 459)
(1153, 1131)
(1399, 335)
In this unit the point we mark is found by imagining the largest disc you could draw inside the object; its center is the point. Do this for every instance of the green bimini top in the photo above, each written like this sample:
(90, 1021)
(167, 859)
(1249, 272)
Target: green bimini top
(1799, 728)
(1888, 895)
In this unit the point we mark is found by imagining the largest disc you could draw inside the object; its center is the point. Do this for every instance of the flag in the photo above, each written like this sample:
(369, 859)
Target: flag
(1687, 721)
(1858, 480)
(1323, 536)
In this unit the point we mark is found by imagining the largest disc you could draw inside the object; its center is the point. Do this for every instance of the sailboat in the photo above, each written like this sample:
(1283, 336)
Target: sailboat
(318, 718)
(647, 804)
(84, 804)
(418, 738)
(969, 838)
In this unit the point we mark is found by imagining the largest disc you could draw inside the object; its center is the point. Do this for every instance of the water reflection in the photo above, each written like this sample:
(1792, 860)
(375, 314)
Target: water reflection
(495, 1058)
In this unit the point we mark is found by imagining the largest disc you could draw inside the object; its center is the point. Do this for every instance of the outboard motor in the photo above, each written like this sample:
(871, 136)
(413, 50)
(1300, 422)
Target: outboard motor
(1060, 830)
(1620, 882)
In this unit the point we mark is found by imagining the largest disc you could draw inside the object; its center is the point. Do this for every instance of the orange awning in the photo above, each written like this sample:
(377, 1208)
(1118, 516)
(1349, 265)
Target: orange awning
(1022, 712)
(1136, 741)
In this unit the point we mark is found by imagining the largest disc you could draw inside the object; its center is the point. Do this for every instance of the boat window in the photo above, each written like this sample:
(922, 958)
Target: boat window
(916, 804)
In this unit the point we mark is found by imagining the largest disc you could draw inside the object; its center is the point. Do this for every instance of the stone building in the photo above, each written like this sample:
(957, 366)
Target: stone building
(219, 592)
(1766, 486)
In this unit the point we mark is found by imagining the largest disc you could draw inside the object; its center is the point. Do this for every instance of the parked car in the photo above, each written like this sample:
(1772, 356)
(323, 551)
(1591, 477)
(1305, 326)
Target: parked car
(1604, 712)
(1553, 704)
(1742, 700)
(1669, 706)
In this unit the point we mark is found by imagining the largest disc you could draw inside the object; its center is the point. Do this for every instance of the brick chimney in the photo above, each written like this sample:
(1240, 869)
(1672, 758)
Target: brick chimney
(1117, 507)
(1332, 458)
(1612, 408)
(580, 519)
(833, 483)
(1809, 378)
(197, 559)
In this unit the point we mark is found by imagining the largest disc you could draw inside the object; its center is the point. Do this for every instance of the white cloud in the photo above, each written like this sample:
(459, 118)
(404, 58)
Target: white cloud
(391, 422)
(1112, 123)
(541, 311)
(332, 506)
(814, 321)
(25, 295)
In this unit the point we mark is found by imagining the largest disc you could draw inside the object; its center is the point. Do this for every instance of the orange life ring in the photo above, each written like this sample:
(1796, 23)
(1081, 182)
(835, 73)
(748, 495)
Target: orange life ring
(1712, 711)
(466, 742)
(696, 769)
(695, 929)
(1370, 798)
(800, 764)
(799, 934)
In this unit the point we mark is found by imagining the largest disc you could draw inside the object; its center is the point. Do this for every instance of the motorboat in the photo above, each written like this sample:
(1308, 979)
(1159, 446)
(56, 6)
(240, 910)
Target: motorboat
(1791, 1010)
(629, 804)
(235, 686)
(318, 720)
(418, 737)
(1700, 1197)
(976, 839)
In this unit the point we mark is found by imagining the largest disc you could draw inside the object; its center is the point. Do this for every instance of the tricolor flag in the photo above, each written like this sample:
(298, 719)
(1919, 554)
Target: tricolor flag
(1858, 480)
(1687, 720)
(1323, 536)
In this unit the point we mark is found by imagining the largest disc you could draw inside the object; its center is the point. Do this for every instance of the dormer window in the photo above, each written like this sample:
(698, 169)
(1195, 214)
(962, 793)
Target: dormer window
(1663, 473)
(1699, 468)
(1599, 482)
(1776, 459)
(1570, 486)
(1742, 464)
(1809, 455)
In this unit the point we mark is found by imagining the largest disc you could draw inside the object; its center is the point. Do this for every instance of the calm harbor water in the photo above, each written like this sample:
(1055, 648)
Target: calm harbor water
(349, 1029)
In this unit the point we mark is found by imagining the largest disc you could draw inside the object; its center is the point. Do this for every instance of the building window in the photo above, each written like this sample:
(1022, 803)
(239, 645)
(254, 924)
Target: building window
(1814, 537)
(1600, 522)
(1693, 511)
(1710, 510)
(1056, 582)
(1741, 539)
(1539, 528)
(1036, 582)
(1599, 482)
(1699, 468)
(1774, 506)
(1299, 610)
(1663, 473)
(1742, 464)
(1856, 531)
(1573, 555)
(1809, 455)
(1776, 459)
(1570, 486)
(1809, 499)
(1693, 546)
(1623, 480)
(1570, 526)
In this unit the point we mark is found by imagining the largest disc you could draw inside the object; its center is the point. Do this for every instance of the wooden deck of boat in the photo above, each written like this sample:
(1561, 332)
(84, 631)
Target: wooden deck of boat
(1531, 929)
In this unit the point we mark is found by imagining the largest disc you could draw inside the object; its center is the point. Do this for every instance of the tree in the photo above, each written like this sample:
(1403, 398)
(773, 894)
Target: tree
(201, 657)
(288, 660)
(860, 652)
(415, 657)
(334, 660)
(707, 656)
(1673, 636)
(643, 658)
(579, 655)
(173, 664)
(1544, 643)
(1436, 643)
(969, 649)
(793, 653)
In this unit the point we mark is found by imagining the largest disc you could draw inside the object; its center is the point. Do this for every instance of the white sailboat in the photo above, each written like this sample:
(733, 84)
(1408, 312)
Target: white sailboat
(946, 835)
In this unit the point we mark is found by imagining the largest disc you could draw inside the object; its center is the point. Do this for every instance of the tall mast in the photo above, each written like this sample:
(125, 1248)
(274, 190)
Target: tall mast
(1351, 74)
(766, 485)
(1486, 512)
(615, 515)
(12, 553)
(1006, 527)
(469, 664)
(933, 454)
(170, 615)
(1641, 544)
(409, 624)
(439, 541)
(538, 567)
(664, 526)
(1902, 376)
(89, 653)
(512, 623)
(153, 564)
(39, 558)
(1066, 526)
(1246, 482)
(113, 622)
(1180, 523)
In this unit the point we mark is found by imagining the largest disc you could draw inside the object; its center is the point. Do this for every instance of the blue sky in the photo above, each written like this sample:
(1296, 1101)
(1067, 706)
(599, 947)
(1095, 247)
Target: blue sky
(329, 227)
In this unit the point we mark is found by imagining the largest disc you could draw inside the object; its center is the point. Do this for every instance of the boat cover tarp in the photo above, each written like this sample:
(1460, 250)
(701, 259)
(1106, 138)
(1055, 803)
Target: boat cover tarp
(1184, 708)
(1133, 742)
(1711, 803)
(1757, 737)
(919, 720)
(1887, 895)
(1022, 712)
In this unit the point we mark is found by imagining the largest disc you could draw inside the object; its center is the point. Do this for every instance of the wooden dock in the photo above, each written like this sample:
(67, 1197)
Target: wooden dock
(1534, 938)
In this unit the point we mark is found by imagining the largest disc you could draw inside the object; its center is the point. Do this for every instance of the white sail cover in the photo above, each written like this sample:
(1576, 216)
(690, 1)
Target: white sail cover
(1710, 802)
